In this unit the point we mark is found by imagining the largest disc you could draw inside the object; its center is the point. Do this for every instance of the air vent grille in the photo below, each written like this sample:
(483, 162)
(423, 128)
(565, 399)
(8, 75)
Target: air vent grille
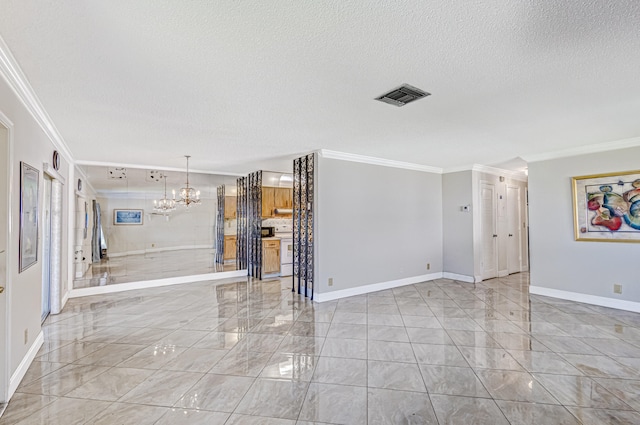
(402, 95)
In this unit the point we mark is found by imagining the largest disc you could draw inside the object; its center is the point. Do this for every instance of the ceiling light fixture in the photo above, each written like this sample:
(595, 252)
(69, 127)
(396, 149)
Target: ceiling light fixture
(165, 205)
(188, 195)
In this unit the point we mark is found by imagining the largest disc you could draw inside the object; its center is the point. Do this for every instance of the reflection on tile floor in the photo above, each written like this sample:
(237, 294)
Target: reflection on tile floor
(250, 352)
(152, 265)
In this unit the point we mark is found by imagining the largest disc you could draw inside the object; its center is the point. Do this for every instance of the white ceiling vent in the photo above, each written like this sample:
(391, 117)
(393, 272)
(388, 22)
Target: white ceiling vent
(402, 95)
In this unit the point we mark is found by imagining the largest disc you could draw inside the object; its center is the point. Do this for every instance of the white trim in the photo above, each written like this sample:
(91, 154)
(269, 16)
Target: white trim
(511, 174)
(65, 298)
(515, 175)
(503, 273)
(584, 150)
(154, 167)
(374, 287)
(343, 156)
(51, 172)
(8, 277)
(458, 277)
(17, 376)
(170, 248)
(129, 286)
(19, 83)
(586, 298)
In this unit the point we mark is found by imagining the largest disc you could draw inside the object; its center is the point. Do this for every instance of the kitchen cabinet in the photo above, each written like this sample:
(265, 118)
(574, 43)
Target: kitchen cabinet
(270, 256)
(229, 207)
(274, 198)
(268, 201)
(230, 247)
(283, 197)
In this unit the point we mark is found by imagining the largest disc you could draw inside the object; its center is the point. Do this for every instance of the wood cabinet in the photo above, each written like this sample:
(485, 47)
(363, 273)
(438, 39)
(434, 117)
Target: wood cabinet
(268, 201)
(274, 198)
(283, 197)
(270, 256)
(229, 207)
(229, 247)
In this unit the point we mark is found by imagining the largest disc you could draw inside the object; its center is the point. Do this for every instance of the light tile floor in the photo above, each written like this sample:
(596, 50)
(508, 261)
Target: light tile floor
(152, 265)
(249, 352)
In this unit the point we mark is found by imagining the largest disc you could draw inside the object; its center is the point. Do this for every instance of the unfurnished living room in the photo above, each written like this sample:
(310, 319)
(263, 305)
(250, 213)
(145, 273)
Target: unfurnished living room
(319, 212)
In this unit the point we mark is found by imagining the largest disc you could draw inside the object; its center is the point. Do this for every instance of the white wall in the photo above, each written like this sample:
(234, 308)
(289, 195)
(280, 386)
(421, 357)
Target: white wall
(457, 224)
(186, 227)
(558, 262)
(31, 145)
(375, 224)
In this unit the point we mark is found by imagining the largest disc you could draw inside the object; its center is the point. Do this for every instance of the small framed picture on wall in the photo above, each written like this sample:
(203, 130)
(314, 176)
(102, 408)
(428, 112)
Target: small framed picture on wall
(128, 217)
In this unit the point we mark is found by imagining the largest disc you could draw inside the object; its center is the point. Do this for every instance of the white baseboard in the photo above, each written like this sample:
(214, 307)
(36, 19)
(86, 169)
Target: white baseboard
(130, 286)
(586, 298)
(458, 277)
(17, 376)
(503, 273)
(146, 251)
(374, 287)
(65, 298)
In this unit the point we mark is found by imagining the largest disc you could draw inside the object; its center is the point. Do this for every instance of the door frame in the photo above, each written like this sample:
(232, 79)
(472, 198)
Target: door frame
(518, 230)
(5, 298)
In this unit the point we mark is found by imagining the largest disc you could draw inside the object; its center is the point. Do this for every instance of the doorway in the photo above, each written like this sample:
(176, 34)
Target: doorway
(5, 208)
(46, 250)
(514, 245)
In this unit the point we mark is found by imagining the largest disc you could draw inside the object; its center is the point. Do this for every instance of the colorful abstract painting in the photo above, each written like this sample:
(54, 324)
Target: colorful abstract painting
(607, 207)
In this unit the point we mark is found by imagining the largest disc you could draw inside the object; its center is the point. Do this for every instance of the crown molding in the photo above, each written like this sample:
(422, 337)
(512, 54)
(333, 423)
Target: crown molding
(155, 167)
(343, 156)
(15, 78)
(584, 150)
(515, 175)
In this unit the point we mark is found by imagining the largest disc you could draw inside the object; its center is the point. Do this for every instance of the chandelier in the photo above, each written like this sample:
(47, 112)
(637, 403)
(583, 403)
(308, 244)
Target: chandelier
(165, 205)
(188, 195)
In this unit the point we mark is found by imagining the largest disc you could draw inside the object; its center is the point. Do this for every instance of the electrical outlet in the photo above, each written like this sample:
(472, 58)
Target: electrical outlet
(26, 336)
(330, 281)
(617, 288)
(428, 266)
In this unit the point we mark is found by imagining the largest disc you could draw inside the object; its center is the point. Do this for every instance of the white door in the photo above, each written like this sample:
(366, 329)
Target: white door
(488, 231)
(514, 246)
(4, 231)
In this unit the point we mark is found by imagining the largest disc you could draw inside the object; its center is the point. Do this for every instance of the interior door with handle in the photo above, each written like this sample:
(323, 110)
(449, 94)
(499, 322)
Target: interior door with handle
(488, 207)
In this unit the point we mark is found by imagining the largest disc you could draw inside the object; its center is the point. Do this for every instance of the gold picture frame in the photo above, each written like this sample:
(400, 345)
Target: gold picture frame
(606, 207)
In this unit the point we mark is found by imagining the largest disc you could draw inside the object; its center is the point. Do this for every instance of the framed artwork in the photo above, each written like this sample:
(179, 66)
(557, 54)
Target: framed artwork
(127, 217)
(606, 207)
(28, 251)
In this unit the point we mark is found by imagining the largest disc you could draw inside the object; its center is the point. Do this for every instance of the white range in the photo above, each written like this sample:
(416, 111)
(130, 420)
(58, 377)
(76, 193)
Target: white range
(285, 233)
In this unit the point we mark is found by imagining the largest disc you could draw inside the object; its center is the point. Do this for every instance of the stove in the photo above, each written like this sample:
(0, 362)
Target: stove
(285, 233)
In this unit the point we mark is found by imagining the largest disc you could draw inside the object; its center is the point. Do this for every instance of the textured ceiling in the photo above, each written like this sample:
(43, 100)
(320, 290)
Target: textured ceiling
(240, 85)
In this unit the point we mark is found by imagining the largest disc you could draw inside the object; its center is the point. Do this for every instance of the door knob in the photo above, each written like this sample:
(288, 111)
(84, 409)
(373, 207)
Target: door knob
(1, 289)
(495, 236)
(510, 235)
